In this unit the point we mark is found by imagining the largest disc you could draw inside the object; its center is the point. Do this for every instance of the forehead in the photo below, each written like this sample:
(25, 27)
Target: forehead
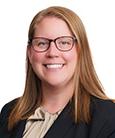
(52, 27)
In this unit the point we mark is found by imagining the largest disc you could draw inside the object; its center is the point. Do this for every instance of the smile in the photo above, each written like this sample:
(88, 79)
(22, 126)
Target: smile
(54, 66)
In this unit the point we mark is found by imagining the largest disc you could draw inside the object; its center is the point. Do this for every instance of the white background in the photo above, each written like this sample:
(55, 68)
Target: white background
(98, 17)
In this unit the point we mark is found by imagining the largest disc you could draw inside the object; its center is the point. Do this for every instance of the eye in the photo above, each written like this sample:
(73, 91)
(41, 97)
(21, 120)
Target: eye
(65, 42)
(41, 43)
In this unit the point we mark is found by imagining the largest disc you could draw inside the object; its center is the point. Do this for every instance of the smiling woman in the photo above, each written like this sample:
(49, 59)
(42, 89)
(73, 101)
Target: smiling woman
(63, 96)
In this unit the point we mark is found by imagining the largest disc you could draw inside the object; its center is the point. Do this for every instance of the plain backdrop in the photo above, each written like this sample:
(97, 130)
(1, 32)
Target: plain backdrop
(98, 17)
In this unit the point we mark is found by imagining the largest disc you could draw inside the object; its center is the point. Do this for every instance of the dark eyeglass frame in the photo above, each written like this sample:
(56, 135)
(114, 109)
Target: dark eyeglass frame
(53, 40)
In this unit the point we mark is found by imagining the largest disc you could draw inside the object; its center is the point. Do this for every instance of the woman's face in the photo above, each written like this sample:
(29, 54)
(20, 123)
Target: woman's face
(53, 67)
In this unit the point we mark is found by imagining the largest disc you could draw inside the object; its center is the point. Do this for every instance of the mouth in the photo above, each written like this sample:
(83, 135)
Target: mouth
(54, 66)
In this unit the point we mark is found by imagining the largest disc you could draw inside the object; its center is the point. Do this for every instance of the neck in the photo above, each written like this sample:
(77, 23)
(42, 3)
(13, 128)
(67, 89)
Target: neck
(56, 98)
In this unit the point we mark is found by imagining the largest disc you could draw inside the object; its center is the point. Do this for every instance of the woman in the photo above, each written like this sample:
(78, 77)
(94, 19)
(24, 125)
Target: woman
(63, 97)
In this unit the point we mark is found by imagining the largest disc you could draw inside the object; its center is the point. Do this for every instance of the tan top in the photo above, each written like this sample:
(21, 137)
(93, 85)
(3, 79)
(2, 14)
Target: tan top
(38, 124)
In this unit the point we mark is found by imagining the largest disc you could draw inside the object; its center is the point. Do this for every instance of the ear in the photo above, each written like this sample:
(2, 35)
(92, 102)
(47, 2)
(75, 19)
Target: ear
(29, 54)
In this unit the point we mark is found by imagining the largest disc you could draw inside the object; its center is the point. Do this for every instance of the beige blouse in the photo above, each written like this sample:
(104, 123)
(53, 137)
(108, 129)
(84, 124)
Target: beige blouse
(38, 124)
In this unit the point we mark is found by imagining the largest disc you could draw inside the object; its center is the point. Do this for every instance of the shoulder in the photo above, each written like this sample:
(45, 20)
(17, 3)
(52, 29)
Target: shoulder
(103, 107)
(103, 117)
(4, 115)
(7, 108)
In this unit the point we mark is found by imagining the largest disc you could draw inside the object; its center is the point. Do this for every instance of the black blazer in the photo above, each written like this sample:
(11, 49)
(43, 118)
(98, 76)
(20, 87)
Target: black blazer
(102, 124)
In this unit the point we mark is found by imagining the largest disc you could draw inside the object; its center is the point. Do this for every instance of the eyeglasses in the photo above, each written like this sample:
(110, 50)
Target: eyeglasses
(63, 43)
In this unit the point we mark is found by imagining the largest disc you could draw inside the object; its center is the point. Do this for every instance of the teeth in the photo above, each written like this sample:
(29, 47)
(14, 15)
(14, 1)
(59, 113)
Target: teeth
(54, 65)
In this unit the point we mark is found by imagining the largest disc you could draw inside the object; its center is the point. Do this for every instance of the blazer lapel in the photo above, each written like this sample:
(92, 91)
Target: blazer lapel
(98, 120)
(97, 126)
(17, 132)
(82, 130)
(62, 124)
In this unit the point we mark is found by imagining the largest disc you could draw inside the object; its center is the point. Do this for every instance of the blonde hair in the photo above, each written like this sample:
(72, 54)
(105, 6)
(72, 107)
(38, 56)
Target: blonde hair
(87, 83)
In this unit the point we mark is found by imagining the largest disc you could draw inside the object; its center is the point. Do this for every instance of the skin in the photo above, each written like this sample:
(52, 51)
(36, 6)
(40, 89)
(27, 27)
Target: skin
(54, 68)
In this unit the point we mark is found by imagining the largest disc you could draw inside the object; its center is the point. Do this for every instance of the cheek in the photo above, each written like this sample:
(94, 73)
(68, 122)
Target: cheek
(35, 58)
(71, 56)
(36, 62)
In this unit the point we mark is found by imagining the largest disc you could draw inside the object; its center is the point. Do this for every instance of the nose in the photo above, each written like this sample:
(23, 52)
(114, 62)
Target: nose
(52, 51)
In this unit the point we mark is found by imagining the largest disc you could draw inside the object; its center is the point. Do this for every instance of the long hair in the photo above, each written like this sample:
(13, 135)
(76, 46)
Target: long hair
(86, 80)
